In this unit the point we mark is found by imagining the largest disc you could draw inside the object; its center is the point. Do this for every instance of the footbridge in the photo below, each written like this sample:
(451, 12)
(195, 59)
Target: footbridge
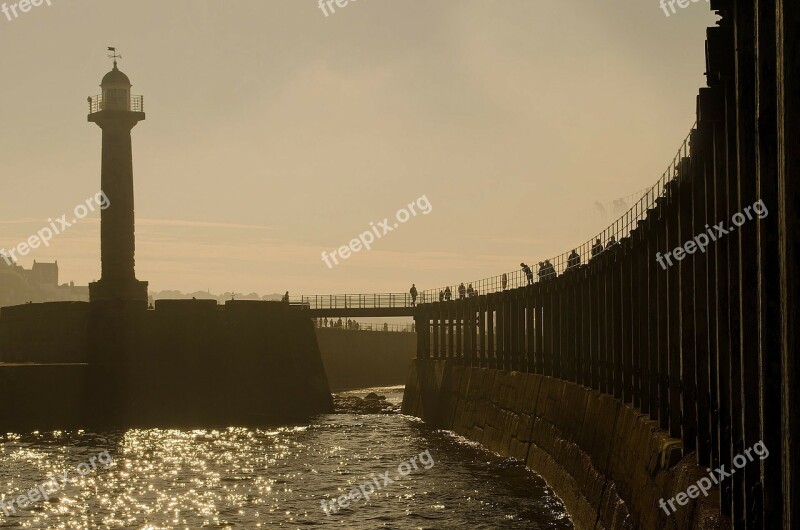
(357, 305)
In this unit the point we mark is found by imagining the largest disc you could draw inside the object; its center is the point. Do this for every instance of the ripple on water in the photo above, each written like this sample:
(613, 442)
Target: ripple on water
(256, 478)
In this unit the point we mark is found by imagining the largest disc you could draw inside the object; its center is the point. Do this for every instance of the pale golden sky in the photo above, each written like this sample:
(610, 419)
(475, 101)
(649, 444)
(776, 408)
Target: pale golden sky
(274, 133)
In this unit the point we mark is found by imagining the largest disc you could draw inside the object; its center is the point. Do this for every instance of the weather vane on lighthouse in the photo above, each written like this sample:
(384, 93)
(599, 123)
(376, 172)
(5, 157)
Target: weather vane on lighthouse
(114, 55)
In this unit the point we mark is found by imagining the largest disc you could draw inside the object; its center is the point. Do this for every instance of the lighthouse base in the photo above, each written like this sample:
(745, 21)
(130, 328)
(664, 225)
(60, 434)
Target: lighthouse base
(109, 291)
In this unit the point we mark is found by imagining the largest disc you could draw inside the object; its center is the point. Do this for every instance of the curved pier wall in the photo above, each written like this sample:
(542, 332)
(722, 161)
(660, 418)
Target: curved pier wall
(608, 462)
(362, 359)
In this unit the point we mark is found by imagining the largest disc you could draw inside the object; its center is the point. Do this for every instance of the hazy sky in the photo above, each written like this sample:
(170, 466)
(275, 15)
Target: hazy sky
(274, 133)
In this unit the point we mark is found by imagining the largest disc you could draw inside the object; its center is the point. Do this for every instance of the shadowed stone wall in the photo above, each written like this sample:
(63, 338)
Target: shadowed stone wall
(187, 364)
(362, 359)
(608, 462)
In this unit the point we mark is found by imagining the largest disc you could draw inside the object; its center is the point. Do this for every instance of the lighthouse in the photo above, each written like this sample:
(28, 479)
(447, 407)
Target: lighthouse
(116, 112)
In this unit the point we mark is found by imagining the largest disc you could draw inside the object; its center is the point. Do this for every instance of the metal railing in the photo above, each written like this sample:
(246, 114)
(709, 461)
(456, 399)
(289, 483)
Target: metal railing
(544, 270)
(352, 325)
(97, 104)
(583, 253)
(357, 301)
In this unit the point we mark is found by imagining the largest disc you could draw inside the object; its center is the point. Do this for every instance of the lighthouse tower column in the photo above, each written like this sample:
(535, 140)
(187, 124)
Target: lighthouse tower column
(116, 112)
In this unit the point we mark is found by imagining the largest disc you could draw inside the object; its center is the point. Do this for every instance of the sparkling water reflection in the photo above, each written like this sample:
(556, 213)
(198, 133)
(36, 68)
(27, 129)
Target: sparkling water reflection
(254, 478)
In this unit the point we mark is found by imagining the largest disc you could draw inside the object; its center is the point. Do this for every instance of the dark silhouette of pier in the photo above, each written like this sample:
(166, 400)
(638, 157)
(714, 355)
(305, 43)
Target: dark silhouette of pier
(706, 347)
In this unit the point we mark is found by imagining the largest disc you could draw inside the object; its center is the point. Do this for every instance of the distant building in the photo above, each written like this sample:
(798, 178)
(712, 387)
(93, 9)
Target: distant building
(43, 274)
(19, 285)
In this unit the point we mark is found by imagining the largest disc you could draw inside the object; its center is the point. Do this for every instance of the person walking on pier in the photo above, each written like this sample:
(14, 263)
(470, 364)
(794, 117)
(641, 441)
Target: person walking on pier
(546, 270)
(441, 295)
(413, 292)
(528, 273)
(597, 247)
(504, 281)
(470, 291)
(462, 291)
(448, 294)
(285, 298)
(573, 260)
(551, 271)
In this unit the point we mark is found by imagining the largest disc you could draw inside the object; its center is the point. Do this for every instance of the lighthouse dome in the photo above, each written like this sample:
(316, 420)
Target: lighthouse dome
(116, 79)
(116, 91)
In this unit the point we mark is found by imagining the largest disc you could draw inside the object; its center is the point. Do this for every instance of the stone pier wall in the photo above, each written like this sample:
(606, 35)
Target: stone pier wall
(361, 359)
(608, 462)
(187, 364)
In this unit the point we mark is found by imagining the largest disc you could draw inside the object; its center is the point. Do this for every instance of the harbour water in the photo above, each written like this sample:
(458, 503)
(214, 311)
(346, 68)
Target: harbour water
(272, 478)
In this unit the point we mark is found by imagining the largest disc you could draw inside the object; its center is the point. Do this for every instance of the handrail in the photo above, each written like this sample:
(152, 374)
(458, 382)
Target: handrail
(358, 301)
(352, 325)
(547, 269)
(97, 104)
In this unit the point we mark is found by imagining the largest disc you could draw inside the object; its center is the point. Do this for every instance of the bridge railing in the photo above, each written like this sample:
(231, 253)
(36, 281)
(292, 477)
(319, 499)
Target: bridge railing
(361, 326)
(357, 301)
(584, 252)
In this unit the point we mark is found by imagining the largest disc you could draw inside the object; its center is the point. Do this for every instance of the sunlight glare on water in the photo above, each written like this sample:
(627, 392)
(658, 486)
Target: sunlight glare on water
(257, 478)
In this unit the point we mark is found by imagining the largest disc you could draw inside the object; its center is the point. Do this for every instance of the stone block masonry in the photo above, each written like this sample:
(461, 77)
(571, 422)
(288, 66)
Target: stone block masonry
(608, 462)
(186, 364)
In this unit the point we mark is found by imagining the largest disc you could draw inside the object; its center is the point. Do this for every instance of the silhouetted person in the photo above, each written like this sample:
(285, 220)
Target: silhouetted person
(413, 292)
(470, 291)
(573, 260)
(339, 323)
(462, 291)
(504, 280)
(546, 270)
(285, 298)
(441, 296)
(448, 294)
(326, 322)
(528, 273)
(611, 242)
(385, 326)
(597, 247)
(551, 271)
